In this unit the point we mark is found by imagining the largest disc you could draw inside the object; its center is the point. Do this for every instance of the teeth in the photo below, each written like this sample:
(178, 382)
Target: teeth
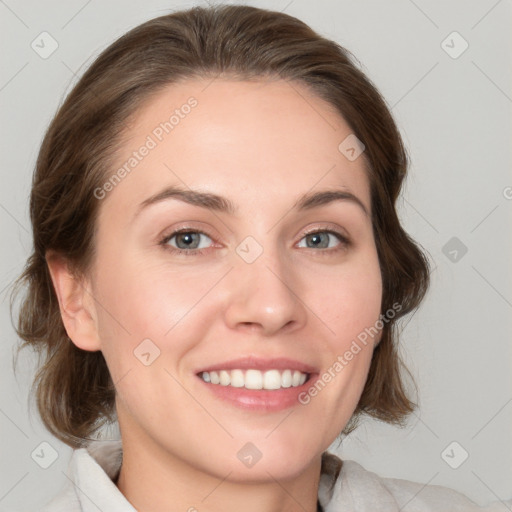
(237, 378)
(286, 379)
(225, 378)
(255, 379)
(272, 379)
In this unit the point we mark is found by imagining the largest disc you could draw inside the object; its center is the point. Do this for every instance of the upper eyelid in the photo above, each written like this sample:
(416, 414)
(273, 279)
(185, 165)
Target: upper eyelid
(327, 229)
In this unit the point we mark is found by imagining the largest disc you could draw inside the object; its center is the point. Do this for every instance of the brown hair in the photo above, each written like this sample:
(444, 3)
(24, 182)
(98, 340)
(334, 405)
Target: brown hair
(74, 391)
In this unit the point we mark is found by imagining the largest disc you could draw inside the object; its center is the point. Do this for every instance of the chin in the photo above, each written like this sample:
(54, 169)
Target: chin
(280, 458)
(269, 470)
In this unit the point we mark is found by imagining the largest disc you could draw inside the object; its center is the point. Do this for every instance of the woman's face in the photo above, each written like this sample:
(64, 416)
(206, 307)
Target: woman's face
(272, 275)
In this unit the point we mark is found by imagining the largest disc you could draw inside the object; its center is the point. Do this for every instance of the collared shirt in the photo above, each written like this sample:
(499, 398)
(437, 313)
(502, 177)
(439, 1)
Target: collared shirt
(345, 486)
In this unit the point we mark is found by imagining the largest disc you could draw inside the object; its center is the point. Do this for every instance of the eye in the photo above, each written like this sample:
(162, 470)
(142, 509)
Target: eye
(324, 239)
(190, 242)
(187, 241)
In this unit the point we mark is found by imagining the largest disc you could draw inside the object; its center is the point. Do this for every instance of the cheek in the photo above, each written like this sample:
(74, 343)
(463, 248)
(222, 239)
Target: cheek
(351, 309)
(140, 301)
(351, 303)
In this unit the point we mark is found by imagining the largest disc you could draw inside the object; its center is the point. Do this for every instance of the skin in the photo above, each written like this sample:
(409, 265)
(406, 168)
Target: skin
(262, 145)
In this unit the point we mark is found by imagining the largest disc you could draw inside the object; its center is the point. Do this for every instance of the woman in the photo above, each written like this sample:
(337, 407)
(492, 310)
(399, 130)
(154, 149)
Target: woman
(219, 267)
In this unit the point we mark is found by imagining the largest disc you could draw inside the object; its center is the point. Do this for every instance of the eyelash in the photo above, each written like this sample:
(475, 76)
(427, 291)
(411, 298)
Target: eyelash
(344, 242)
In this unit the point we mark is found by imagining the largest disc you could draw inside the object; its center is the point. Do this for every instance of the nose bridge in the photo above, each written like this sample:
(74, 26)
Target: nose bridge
(262, 289)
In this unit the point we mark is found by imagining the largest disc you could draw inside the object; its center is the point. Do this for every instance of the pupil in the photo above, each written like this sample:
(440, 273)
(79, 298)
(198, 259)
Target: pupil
(316, 239)
(187, 238)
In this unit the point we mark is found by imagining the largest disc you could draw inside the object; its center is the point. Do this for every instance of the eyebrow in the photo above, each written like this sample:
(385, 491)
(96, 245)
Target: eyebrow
(222, 204)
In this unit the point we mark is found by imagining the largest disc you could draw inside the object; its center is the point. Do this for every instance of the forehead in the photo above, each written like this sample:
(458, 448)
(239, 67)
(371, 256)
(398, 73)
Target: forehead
(247, 140)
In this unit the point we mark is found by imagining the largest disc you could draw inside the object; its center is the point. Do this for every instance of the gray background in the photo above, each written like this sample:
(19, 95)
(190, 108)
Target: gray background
(454, 114)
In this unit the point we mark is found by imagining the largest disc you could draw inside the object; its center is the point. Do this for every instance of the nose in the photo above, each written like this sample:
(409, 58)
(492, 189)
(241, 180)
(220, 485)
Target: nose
(264, 297)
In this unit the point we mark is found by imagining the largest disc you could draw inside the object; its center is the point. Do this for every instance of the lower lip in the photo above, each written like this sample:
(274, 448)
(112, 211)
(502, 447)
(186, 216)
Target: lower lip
(260, 399)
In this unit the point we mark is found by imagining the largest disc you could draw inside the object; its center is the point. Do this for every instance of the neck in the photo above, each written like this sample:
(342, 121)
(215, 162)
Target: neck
(153, 480)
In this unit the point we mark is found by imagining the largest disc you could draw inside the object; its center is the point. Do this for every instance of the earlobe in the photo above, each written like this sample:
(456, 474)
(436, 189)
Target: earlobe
(75, 302)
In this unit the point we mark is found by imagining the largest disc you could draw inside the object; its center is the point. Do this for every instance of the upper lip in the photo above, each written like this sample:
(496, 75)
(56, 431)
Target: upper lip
(257, 363)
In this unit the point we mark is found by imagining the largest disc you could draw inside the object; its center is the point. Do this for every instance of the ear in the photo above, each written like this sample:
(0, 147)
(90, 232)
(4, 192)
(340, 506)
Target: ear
(76, 303)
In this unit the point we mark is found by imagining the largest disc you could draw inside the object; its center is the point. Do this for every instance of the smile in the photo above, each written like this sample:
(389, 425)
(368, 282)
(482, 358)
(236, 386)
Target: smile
(256, 379)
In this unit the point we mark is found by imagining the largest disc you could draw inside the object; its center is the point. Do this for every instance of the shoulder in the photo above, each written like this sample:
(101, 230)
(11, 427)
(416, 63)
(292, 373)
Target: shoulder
(90, 485)
(362, 490)
(66, 501)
